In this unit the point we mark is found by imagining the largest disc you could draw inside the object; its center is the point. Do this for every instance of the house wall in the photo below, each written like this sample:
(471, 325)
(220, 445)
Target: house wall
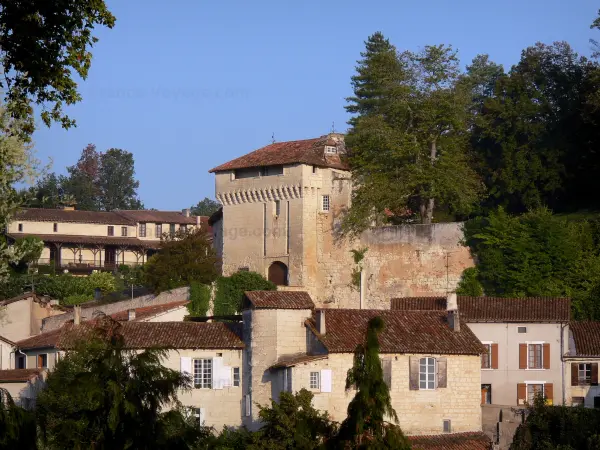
(175, 315)
(31, 362)
(419, 411)
(5, 355)
(504, 380)
(24, 393)
(23, 318)
(587, 392)
(69, 228)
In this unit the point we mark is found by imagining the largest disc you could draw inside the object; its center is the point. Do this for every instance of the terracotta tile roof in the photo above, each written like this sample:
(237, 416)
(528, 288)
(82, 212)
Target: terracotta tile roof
(308, 151)
(75, 216)
(26, 295)
(294, 360)
(147, 312)
(18, 375)
(90, 240)
(278, 300)
(420, 332)
(452, 441)
(156, 216)
(587, 338)
(140, 335)
(494, 309)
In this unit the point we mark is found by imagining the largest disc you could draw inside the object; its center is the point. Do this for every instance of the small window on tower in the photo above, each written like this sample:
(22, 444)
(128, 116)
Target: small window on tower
(325, 205)
(277, 208)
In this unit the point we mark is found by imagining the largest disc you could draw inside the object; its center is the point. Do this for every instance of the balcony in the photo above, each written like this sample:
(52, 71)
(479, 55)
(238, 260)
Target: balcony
(84, 266)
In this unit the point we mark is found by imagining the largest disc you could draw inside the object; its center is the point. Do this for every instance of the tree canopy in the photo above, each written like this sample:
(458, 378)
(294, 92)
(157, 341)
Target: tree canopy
(205, 207)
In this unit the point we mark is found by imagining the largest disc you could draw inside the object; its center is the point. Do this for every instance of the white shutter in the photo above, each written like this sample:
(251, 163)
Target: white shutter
(202, 417)
(217, 369)
(326, 380)
(186, 366)
(226, 376)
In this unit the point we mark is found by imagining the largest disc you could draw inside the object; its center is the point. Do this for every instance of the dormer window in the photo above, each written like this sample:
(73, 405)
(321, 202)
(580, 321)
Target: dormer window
(330, 149)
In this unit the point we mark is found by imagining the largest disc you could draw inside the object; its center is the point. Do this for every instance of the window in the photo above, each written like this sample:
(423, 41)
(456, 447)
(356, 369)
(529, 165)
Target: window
(486, 394)
(521, 330)
(236, 376)
(315, 380)
(486, 358)
(533, 390)
(272, 170)
(577, 401)
(534, 357)
(43, 361)
(123, 231)
(277, 207)
(111, 230)
(55, 227)
(243, 269)
(158, 230)
(20, 227)
(203, 373)
(314, 169)
(287, 379)
(584, 374)
(199, 416)
(251, 172)
(447, 426)
(427, 373)
(172, 229)
(183, 228)
(21, 362)
(330, 149)
(325, 205)
(142, 230)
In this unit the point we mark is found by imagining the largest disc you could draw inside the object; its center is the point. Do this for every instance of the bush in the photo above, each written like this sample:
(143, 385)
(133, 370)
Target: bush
(230, 291)
(199, 299)
(469, 284)
(68, 286)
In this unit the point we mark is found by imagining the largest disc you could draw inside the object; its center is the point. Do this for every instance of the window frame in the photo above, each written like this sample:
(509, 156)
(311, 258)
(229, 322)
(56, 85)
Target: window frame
(430, 369)
(541, 355)
(587, 380)
(123, 231)
(142, 231)
(202, 374)
(21, 358)
(55, 227)
(330, 150)
(487, 345)
(110, 230)
(40, 358)
(20, 227)
(172, 229)
(325, 203)
(236, 378)
(314, 380)
(537, 383)
(158, 230)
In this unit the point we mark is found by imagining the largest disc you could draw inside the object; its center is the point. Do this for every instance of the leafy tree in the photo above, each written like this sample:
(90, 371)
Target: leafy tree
(230, 290)
(480, 79)
(184, 257)
(205, 207)
(366, 426)
(199, 299)
(408, 142)
(536, 254)
(595, 24)
(117, 186)
(17, 425)
(47, 192)
(102, 395)
(469, 283)
(84, 179)
(42, 46)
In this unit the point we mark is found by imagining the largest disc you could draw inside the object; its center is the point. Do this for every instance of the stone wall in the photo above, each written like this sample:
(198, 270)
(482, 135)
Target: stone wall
(88, 311)
(419, 411)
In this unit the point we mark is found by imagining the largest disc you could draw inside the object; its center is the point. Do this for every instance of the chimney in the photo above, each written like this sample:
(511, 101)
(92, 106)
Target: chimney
(321, 321)
(186, 212)
(76, 314)
(452, 310)
(131, 314)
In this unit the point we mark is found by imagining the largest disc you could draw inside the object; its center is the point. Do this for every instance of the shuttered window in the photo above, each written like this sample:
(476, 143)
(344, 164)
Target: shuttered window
(486, 357)
(535, 356)
(427, 373)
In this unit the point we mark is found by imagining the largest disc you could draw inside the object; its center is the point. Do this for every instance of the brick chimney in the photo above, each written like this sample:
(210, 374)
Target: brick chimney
(321, 321)
(452, 310)
(130, 314)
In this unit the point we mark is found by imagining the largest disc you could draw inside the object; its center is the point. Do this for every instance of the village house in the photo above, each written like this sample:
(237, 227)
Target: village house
(6, 352)
(280, 217)
(525, 340)
(581, 368)
(82, 241)
(23, 385)
(22, 316)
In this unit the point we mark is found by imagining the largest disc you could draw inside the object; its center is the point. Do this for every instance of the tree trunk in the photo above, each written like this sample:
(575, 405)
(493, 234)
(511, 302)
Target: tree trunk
(428, 205)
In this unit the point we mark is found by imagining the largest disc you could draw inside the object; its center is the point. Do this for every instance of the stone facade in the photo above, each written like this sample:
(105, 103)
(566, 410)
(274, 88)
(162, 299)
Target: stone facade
(408, 260)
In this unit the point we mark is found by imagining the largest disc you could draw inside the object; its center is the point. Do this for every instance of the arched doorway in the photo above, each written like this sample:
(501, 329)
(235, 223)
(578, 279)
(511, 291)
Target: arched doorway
(278, 273)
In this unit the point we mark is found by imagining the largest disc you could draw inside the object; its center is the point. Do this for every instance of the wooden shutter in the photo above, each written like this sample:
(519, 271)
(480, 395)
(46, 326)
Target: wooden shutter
(574, 374)
(521, 393)
(413, 378)
(549, 393)
(595, 374)
(442, 370)
(546, 356)
(494, 356)
(522, 356)
(326, 379)
(386, 365)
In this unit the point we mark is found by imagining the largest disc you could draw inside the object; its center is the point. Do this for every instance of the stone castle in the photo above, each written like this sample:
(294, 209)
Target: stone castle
(280, 217)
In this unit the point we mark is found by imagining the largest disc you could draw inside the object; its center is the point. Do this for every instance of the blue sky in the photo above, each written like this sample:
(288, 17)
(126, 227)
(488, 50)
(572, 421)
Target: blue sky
(191, 85)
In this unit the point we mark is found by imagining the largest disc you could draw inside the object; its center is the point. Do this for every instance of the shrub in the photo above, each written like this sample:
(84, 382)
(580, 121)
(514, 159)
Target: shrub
(230, 290)
(469, 284)
(199, 299)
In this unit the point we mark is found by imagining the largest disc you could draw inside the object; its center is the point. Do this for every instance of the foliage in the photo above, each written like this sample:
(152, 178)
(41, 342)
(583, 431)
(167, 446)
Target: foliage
(106, 396)
(131, 275)
(184, 257)
(43, 46)
(469, 283)
(205, 207)
(23, 252)
(117, 186)
(199, 299)
(68, 288)
(560, 427)
(365, 426)
(409, 141)
(536, 254)
(357, 255)
(17, 425)
(75, 299)
(83, 180)
(230, 290)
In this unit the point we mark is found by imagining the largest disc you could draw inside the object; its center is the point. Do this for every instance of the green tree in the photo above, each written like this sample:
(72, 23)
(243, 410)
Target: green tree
(230, 290)
(116, 182)
(367, 423)
(17, 425)
(185, 257)
(42, 46)
(199, 299)
(595, 25)
(102, 395)
(47, 192)
(469, 283)
(83, 180)
(408, 142)
(205, 207)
